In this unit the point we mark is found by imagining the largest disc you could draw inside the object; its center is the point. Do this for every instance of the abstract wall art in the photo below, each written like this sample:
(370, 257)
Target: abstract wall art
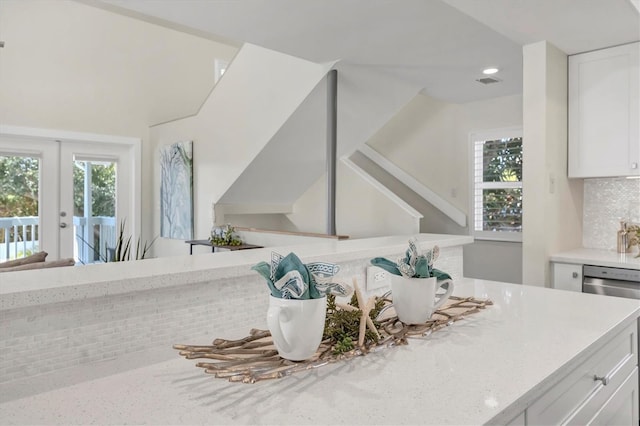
(176, 191)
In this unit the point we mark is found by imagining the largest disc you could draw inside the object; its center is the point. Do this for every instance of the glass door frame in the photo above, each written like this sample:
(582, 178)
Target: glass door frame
(48, 155)
(70, 152)
(40, 141)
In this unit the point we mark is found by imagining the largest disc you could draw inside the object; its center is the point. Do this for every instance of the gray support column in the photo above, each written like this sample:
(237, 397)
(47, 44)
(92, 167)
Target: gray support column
(332, 124)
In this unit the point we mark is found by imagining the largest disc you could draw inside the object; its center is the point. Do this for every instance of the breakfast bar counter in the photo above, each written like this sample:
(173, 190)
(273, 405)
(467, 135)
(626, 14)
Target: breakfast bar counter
(37, 287)
(490, 367)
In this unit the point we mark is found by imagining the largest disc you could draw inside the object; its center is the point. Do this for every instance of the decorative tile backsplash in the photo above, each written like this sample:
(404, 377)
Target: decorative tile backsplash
(606, 202)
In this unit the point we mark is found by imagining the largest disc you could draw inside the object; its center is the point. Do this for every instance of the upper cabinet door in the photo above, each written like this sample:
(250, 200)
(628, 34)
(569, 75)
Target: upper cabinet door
(604, 100)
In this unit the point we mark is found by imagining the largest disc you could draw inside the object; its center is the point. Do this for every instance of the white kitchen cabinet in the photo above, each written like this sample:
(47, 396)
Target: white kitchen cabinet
(604, 111)
(622, 407)
(566, 276)
(602, 389)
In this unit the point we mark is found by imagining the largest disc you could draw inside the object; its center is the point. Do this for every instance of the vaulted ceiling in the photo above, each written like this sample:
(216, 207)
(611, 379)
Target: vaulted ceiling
(441, 45)
(66, 65)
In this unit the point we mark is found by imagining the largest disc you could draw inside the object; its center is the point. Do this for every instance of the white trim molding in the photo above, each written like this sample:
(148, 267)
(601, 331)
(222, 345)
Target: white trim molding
(383, 189)
(65, 135)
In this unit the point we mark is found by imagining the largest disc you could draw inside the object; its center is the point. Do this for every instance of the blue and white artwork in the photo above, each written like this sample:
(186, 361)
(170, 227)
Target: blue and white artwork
(176, 191)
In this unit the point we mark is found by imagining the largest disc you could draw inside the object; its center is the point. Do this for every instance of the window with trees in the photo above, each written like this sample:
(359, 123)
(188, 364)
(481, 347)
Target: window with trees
(497, 185)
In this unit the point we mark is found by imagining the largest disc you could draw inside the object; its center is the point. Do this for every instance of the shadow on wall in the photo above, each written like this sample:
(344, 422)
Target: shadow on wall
(493, 260)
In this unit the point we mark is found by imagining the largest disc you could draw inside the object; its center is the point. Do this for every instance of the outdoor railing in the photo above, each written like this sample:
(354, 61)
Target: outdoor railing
(18, 236)
(94, 238)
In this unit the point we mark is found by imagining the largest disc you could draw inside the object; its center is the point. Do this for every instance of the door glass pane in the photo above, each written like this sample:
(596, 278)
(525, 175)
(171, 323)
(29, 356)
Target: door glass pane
(19, 222)
(94, 199)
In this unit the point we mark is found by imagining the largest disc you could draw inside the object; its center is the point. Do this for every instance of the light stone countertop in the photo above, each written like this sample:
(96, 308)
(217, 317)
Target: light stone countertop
(486, 368)
(34, 287)
(584, 256)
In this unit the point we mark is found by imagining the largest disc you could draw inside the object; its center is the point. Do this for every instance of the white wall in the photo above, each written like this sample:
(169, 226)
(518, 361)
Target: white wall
(552, 219)
(422, 140)
(483, 115)
(257, 94)
(73, 67)
(367, 99)
(361, 210)
(429, 139)
(310, 210)
(493, 260)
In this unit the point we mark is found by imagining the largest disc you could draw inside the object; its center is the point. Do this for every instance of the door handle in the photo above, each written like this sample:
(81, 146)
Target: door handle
(63, 225)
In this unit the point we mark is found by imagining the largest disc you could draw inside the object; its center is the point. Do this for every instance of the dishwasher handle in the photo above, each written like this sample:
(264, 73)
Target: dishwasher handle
(628, 289)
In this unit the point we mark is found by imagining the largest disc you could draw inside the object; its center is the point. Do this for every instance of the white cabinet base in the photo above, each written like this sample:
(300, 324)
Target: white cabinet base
(622, 407)
(597, 389)
(566, 276)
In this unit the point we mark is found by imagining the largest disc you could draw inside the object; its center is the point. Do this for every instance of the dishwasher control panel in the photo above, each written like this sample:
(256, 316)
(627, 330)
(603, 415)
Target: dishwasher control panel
(607, 273)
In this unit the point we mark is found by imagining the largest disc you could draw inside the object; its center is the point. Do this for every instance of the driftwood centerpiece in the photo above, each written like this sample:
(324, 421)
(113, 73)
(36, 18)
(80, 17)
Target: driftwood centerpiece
(254, 357)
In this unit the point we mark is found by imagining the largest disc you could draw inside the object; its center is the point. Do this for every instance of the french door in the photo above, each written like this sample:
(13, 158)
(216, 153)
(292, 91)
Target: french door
(82, 190)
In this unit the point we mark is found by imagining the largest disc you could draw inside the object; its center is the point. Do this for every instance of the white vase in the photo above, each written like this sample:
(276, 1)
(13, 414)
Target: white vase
(415, 299)
(296, 326)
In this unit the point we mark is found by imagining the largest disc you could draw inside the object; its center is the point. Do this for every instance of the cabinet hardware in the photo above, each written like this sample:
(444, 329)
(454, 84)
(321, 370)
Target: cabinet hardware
(574, 275)
(603, 379)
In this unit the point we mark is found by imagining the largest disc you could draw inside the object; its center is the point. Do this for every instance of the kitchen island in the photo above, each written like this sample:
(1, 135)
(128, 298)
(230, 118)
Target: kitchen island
(533, 349)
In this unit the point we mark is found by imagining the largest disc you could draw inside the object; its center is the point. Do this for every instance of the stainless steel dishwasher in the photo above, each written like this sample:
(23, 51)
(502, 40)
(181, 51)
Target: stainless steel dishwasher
(611, 281)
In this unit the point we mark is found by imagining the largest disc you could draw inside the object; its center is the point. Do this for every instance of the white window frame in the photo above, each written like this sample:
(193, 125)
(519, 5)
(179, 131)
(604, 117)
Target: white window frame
(476, 202)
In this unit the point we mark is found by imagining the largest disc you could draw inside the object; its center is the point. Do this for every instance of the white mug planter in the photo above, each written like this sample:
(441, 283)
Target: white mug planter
(415, 299)
(296, 326)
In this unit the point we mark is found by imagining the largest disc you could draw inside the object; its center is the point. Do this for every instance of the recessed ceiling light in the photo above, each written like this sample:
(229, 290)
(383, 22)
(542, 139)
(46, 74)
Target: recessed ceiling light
(489, 71)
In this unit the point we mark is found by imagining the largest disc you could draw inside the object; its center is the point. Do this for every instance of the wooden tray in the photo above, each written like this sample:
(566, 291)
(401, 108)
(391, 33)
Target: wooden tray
(255, 358)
